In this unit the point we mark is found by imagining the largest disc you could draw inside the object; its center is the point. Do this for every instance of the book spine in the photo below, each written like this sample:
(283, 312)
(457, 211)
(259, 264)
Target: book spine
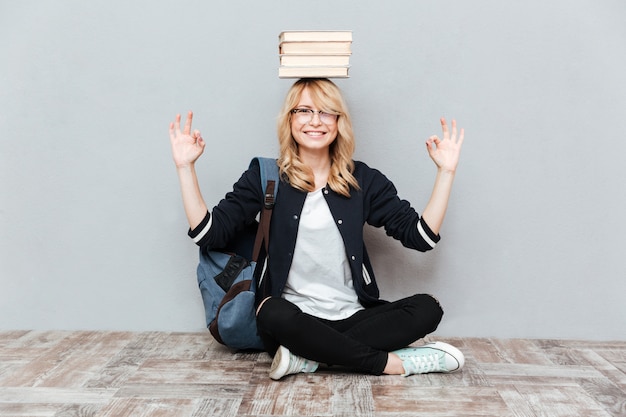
(316, 35)
(313, 72)
(314, 48)
(315, 59)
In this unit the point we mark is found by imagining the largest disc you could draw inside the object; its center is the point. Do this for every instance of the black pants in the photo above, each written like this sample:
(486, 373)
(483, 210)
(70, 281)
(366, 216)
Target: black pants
(360, 342)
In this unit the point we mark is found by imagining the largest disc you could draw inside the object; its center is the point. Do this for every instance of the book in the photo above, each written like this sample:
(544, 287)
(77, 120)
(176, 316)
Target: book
(335, 60)
(315, 36)
(313, 72)
(320, 48)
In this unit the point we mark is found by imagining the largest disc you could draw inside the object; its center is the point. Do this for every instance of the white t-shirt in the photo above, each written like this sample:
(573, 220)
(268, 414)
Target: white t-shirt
(320, 281)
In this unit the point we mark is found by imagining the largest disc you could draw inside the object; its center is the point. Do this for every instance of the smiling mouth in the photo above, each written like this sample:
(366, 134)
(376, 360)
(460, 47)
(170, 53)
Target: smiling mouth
(315, 133)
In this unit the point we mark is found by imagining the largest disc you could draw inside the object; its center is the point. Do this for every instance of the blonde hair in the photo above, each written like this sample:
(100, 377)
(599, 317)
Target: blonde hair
(326, 96)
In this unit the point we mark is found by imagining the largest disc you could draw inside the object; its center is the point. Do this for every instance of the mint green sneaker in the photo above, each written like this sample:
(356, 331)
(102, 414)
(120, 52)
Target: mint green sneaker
(431, 357)
(286, 363)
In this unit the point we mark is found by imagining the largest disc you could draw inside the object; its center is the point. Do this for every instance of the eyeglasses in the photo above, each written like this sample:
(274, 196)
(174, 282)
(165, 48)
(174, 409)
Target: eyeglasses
(306, 115)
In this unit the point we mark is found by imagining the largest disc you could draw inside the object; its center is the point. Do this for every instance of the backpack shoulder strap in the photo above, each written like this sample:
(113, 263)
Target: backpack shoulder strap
(269, 172)
(269, 181)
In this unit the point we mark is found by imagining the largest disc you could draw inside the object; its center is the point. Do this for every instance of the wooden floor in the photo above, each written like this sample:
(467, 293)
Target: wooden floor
(187, 374)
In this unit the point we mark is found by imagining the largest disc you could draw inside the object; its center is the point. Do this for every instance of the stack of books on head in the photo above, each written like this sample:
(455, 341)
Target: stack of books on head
(314, 54)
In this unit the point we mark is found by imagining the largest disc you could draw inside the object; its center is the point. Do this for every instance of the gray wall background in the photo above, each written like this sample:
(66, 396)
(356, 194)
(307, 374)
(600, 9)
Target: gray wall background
(93, 234)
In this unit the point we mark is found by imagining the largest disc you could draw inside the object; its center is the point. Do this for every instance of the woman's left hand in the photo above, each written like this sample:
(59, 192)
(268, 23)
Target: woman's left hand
(445, 152)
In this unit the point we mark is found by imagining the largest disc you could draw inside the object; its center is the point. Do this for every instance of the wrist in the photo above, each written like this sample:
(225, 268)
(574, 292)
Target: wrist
(186, 167)
(446, 171)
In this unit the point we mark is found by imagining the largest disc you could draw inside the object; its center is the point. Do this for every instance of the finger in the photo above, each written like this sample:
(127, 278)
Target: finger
(444, 128)
(453, 129)
(196, 134)
(177, 124)
(172, 131)
(461, 137)
(431, 143)
(187, 128)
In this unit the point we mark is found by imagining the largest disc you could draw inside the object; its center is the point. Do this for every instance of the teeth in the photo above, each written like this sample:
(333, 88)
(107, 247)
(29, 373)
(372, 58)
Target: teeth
(315, 133)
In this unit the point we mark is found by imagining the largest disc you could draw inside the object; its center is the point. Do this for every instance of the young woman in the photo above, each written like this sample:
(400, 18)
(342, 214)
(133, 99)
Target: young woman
(321, 302)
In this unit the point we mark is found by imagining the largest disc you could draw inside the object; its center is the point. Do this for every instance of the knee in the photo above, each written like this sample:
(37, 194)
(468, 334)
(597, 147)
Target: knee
(435, 305)
(428, 308)
(274, 312)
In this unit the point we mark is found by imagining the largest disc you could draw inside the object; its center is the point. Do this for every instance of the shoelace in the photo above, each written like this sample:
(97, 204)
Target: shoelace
(420, 364)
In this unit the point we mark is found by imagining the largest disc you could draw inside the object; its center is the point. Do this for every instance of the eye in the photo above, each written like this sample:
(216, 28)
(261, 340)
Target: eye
(302, 111)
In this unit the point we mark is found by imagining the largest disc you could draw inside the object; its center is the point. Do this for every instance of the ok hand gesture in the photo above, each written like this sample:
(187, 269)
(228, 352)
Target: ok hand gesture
(445, 152)
(186, 146)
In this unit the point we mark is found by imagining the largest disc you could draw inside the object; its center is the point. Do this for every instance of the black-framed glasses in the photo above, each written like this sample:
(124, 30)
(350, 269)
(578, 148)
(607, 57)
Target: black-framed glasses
(306, 115)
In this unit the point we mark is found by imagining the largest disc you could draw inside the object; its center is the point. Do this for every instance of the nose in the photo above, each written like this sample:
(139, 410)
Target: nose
(315, 119)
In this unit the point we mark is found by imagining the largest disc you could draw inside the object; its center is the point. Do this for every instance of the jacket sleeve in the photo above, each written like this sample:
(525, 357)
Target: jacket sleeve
(237, 210)
(385, 209)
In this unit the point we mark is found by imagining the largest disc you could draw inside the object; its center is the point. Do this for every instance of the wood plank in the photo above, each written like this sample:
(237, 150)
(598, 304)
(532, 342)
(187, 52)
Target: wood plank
(483, 351)
(140, 407)
(352, 396)
(438, 401)
(180, 345)
(217, 407)
(84, 359)
(605, 393)
(520, 351)
(172, 371)
(126, 362)
(68, 361)
(606, 368)
(26, 339)
(553, 374)
(54, 395)
(297, 395)
(515, 401)
(566, 401)
(183, 391)
(28, 410)
(7, 338)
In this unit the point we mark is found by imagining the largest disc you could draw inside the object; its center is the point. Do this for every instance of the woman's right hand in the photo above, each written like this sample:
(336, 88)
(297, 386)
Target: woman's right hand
(186, 149)
(186, 146)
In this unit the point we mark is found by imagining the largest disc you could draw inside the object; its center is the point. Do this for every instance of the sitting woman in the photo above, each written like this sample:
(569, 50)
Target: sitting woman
(320, 302)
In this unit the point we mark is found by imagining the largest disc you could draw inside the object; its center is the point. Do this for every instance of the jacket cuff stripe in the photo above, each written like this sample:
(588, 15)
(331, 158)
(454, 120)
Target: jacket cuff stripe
(202, 229)
(426, 235)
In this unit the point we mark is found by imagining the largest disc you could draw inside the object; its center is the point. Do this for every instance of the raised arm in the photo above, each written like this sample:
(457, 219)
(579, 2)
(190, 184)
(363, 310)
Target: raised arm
(186, 149)
(445, 153)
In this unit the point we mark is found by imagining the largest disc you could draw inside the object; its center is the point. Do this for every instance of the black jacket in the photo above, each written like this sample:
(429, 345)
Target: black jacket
(376, 202)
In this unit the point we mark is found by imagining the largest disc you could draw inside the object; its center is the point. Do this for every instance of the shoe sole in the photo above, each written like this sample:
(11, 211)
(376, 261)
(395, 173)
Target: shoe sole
(276, 370)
